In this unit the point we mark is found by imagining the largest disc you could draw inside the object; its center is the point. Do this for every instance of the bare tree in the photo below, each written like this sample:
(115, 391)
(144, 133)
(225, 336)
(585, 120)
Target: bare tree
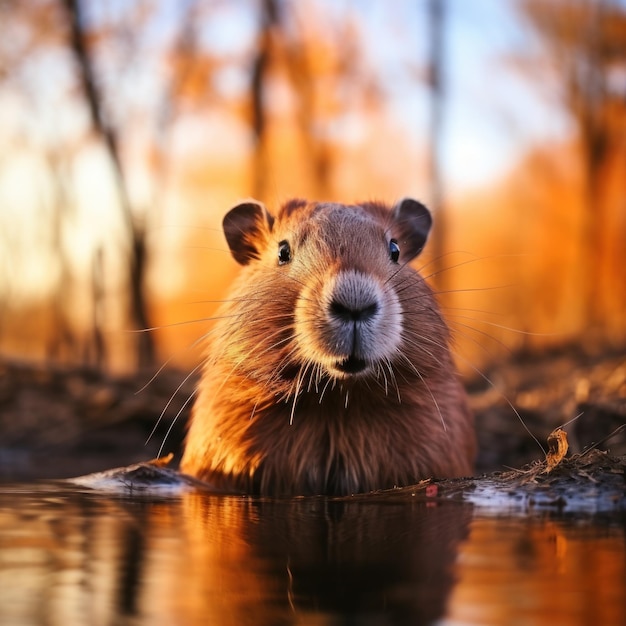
(63, 340)
(320, 64)
(187, 66)
(586, 44)
(436, 23)
(97, 343)
(268, 20)
(138, 252)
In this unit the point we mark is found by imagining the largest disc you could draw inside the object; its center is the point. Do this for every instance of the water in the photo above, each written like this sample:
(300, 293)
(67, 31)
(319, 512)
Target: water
(70, 556)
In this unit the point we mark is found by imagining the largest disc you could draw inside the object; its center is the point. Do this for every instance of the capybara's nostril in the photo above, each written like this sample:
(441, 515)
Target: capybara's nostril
(360, 313)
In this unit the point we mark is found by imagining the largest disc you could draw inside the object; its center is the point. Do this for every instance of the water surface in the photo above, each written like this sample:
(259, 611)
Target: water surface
(71, 556)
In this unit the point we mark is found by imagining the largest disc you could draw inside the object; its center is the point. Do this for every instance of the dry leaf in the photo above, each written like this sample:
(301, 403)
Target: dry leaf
(163, 461)
(557, 448)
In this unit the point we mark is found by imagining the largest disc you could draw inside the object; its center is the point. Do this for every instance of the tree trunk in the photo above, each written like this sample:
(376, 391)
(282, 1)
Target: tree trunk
(436, 20)
(261, 167)
(137, 261)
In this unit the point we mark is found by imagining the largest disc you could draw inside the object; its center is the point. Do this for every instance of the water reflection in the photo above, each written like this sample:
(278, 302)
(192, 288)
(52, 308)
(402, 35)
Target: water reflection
(71, 558)
(542, 572)
(391, 563)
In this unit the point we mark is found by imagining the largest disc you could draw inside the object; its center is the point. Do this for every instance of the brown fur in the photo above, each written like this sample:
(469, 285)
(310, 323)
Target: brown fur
(273, 414)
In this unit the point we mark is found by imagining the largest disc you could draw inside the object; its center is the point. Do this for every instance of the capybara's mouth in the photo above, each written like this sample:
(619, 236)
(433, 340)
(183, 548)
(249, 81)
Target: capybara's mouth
(351, 365)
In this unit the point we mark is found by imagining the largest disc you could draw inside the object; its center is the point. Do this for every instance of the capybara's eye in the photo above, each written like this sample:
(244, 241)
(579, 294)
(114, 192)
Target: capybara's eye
(284, 252)
(394, 250)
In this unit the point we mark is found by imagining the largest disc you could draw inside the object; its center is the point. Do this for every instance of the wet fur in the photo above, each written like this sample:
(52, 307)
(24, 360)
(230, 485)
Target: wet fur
(270, 418)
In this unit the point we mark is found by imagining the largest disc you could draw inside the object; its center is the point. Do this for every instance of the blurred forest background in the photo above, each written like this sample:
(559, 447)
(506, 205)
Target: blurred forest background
(127, 129)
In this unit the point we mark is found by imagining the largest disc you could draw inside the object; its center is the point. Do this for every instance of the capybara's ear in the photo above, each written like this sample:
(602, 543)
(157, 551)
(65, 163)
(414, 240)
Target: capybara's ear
(246, 227)
(413, 222)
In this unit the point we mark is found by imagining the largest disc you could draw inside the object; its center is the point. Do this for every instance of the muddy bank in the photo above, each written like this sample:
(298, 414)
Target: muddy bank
(62, 422)
(591, 483)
